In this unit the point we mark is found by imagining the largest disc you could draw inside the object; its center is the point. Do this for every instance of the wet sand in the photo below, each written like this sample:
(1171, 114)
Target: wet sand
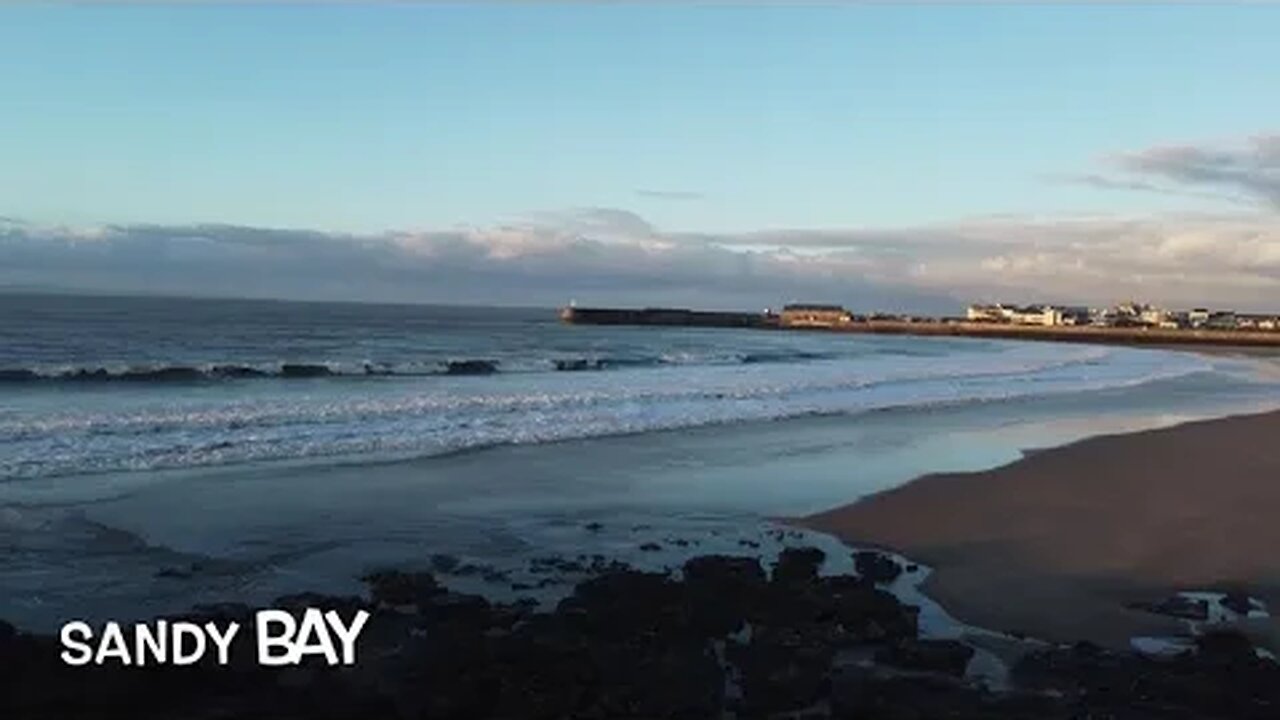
(1055, 544)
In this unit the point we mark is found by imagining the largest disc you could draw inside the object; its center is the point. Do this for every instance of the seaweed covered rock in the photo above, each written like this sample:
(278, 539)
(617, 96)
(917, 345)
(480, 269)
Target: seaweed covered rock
(949, 657)
(876, 566)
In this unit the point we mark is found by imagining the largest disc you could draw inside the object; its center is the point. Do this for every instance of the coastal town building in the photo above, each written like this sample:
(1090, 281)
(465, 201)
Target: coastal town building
(1221, 320)
(1257, 322)
(814, 315)
(1049, 315)
(1124, 315)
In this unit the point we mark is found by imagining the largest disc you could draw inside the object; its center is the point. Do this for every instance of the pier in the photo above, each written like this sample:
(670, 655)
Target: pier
(680, 317)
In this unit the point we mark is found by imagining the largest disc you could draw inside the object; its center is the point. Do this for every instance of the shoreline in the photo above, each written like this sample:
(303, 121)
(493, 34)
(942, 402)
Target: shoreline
(1058, 543)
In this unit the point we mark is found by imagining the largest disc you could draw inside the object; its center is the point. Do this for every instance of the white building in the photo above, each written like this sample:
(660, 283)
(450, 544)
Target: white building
(1026, 315)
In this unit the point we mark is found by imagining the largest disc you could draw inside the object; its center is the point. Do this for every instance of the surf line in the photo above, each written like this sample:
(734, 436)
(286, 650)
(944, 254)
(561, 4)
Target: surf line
(280, 639)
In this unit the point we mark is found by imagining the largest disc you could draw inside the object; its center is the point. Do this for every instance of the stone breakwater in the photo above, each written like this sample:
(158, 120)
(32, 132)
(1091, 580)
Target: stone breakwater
(721, 638)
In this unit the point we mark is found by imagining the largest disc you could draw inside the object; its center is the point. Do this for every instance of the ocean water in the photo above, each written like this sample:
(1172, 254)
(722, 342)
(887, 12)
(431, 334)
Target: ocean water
(117, 384)
(160, 452)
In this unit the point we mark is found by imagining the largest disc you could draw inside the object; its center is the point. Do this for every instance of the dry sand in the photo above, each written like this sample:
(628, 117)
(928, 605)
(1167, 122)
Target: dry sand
(1054, 544)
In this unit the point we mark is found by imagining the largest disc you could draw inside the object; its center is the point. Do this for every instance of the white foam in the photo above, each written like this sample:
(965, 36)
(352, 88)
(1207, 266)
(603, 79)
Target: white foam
(164, 427)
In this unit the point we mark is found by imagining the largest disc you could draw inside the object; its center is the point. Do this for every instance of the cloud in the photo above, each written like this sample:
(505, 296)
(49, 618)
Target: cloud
(1179, 260)
(1247, 172)
(670, 194)
(595, 255)
(613, 256)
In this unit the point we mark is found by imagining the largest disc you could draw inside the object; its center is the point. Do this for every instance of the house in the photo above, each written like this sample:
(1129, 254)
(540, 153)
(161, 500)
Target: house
(1221, 320)
(814, 315)
(1035, 315)
(1257, 322)
(1153, 316)
(985, 313)
(1174, 321)
(1198, 317)
(1074, 315)
(1028, 314)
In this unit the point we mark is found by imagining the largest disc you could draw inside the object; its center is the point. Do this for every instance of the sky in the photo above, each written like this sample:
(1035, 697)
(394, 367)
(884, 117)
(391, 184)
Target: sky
(916, 157)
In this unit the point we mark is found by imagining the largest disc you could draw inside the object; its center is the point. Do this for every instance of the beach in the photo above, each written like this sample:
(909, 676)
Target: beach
(1056, 544)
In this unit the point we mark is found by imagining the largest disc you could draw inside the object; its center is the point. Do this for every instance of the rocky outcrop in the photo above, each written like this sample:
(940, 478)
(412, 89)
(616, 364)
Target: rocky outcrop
(949, 657)
(720, 636)
(876, 567)
(1175, 606)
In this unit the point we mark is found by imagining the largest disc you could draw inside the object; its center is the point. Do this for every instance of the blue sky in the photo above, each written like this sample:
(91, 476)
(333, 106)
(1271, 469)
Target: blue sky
(360, 119)
(363, 118)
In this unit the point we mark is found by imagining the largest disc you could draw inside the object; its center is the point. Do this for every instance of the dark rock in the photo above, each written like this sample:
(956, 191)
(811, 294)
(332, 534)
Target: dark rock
(781, 669)
(651, 547)
(876, 567)
(629, 644)
(458, 609)
(298, 602)
(471, 367)
(1222, 678)
(725, 573)
(1225, 647)
(394, 587)
(1175, 606)
(594, 526)
(866, 614)
(443, 563)
(858, 693)
(949, 657)
(722, 592)
(798, 565)
(1238, 603)
(221, 612)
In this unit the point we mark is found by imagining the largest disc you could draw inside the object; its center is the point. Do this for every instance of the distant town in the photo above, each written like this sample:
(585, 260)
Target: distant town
(1124, 315)
(1126, 323)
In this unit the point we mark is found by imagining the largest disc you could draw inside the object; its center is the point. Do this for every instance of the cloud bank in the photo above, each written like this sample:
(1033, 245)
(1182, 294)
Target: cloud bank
(606, 255)
(616, 256)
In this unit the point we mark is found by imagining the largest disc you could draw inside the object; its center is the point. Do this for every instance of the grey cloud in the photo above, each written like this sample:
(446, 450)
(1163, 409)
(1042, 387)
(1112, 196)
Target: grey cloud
(605, 255)
(1247, 172)
(536, 263)
(1106, 182)
(1175, 259)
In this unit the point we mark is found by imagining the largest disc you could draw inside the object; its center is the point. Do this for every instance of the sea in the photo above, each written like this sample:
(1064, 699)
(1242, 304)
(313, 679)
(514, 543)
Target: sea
(157, 453)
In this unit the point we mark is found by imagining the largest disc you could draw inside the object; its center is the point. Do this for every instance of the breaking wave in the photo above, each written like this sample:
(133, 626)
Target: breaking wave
(311, 370)
(222, 424)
